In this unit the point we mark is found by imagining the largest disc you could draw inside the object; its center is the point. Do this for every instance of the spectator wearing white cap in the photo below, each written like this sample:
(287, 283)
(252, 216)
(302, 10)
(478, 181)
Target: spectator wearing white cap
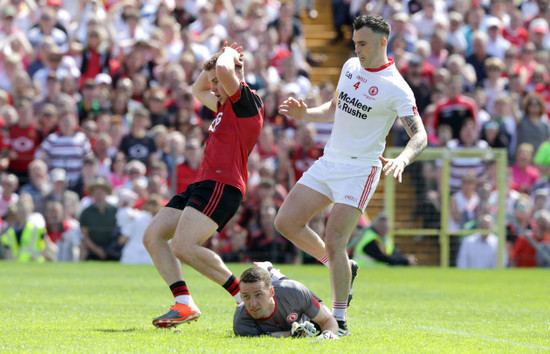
(496, 44)
(538, 34)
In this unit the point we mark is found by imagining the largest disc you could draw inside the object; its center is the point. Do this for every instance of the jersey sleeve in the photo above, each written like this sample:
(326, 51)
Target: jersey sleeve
(306, 301)
(404, 102)
(246, 103)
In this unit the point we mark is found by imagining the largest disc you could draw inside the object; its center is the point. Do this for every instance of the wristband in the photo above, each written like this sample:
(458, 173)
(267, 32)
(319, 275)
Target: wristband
(406, 160)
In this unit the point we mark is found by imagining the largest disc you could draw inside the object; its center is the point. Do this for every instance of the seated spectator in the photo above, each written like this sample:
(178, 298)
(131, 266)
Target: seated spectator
(479, 251)
(524, 251)
(373, 249)
(58, 192)
(479, 55)
(97, 223)
(63, 232)
(66, 148)
(188, 170)
(155, 100)
(87, 176)
(519, 223)
(136, 171)
(137, 145)
(524, 174)
(495, 84)
(455, 108)
(460, 166)
(52, 94)
(47, 119)
(88, 106)
(46, 27)
(39, 183)
(118, 177)
(101, 152)
(8, 197)
(533, 127)
(22, 142)
(23, 241)
(464, 203)
(131, 231)
(302, 154)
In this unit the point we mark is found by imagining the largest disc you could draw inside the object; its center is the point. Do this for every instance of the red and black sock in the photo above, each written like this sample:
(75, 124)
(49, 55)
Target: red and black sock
(179, 288)
(232, 287)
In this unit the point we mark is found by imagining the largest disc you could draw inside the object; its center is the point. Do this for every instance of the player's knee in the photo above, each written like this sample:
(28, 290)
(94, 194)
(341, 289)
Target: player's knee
(182, 252)
(148, 238)
(282, 225)
(334, 245)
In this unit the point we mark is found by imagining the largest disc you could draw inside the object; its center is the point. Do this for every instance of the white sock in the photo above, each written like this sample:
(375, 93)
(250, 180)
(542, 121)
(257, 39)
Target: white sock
(275, 274)
(339, 309)
(237, 298)
(184, 299)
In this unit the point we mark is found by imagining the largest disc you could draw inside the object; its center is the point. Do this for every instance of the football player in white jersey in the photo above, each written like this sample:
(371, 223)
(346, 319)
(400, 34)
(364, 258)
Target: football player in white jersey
(370, 95)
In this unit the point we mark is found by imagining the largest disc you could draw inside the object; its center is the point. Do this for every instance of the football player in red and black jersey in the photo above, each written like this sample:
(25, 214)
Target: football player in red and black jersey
(192, 216)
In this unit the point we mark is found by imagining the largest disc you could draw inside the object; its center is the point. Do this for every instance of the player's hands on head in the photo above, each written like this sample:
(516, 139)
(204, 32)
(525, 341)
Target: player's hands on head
(304, 329)
(295, 109)
(238, 56)
(397, 166)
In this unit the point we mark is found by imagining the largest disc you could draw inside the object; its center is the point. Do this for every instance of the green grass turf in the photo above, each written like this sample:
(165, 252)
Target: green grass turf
(108, 307)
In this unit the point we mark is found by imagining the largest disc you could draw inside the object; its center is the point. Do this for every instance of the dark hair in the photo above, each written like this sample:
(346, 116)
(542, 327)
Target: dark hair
(255, 274)
(376, 23)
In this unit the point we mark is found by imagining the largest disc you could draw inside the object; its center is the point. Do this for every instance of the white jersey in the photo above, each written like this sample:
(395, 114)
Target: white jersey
(368, 102)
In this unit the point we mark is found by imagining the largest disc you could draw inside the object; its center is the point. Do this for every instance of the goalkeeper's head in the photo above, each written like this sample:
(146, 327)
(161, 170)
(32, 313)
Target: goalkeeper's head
(257, 292)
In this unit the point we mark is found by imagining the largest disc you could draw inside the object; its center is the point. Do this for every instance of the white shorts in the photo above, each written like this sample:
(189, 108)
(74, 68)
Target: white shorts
(343, 183)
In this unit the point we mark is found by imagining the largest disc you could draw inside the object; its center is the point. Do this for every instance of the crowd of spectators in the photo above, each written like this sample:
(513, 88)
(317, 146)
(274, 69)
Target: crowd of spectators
(100, 127)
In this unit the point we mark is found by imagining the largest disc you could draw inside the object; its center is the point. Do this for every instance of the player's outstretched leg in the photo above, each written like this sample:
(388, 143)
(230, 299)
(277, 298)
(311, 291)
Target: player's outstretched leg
(179, 313)
(354, 267)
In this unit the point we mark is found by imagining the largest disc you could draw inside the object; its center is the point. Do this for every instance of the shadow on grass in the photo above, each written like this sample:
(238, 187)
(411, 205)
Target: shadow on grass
(111, 330)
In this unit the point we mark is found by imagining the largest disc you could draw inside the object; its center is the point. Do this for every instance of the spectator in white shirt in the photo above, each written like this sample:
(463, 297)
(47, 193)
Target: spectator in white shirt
(479, 251)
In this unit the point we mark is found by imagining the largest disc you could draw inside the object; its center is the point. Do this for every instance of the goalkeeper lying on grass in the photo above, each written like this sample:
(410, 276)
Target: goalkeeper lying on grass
(280, 307)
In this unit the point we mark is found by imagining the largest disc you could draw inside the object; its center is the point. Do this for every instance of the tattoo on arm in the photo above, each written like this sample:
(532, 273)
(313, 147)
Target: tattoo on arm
(415, 129)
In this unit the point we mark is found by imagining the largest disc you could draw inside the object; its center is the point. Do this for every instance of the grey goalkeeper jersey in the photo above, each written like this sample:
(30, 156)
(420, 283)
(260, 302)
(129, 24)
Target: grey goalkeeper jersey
(293, 302)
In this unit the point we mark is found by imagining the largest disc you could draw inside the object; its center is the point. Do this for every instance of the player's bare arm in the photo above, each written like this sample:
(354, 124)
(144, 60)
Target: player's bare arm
(418, 142)
(325, 319)
(298, 110)
(226, 67)
(202, 91)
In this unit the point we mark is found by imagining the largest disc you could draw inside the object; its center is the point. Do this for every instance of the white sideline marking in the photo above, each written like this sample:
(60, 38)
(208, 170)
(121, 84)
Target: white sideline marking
(480, 336)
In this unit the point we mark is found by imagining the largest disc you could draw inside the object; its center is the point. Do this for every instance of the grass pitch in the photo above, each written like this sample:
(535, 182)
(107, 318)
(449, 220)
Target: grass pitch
(108, 307)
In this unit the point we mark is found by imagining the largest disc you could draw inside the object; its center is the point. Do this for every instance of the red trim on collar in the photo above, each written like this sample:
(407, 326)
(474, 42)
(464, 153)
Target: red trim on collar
(382, 67)
(237, 95)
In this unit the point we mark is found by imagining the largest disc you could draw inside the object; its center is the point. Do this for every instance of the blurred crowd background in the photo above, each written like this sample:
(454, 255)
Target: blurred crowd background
(100, 127)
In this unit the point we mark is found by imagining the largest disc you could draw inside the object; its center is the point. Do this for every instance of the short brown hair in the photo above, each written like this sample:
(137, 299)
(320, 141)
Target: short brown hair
(255, 274)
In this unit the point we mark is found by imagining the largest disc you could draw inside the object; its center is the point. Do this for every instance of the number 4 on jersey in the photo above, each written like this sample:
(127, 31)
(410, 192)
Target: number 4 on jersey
(357, 85)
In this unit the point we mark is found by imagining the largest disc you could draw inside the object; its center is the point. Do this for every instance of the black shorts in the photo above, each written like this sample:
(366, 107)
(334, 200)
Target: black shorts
(216, 200)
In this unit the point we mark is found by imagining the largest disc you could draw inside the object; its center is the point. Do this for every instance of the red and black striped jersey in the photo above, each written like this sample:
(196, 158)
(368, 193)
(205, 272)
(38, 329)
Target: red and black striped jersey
(232, 136)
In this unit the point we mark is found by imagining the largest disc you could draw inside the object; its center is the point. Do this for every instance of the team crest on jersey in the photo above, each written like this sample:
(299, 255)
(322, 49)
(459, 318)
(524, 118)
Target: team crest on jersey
(373, 90)
(292, 317)
(348, 75)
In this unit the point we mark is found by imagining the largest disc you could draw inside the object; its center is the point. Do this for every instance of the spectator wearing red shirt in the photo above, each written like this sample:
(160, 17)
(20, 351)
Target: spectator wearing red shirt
(514, 32)
(303, 154)
(187, 171)
(23, 140)
(524, 253)
(455, 108)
